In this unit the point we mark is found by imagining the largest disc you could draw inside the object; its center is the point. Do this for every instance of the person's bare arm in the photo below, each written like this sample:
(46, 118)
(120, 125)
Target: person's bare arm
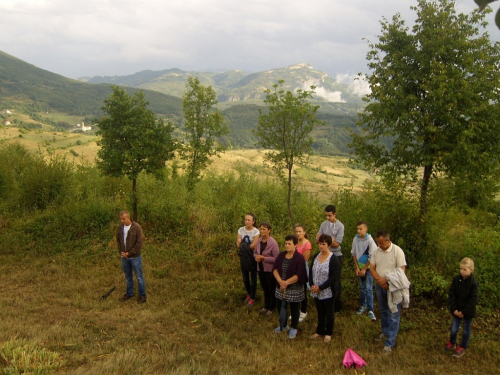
(307, 254)
(335, 243)
(356, 265)
(283, 283)
(381, 281)
(292, 280)
(362, 271)
(254, 243)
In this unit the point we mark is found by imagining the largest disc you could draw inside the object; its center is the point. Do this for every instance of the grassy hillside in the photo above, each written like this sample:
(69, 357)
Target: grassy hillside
(25, 84)
(320, 175)
(57, 224)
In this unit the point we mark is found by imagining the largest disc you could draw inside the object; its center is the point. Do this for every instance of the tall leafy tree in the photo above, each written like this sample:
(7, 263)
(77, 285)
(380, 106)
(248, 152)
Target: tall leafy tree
(434, 92)
(203, 125)
(286, 130)
(132, 139)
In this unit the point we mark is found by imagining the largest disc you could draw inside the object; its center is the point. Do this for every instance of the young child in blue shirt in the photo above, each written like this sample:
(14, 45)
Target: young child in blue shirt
(363, 247)
(463, 296)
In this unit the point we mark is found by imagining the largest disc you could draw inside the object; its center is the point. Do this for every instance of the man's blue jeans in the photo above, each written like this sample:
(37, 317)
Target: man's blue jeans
(455, 327)
(135, 264)
(390, 321)
(366, 290)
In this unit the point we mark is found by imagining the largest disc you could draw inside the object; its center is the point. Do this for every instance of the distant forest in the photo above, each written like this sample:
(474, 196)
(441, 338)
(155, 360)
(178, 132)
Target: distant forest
(329, 139)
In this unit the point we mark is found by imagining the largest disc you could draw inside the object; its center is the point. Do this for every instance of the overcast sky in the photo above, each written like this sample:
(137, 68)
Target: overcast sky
(79, 38)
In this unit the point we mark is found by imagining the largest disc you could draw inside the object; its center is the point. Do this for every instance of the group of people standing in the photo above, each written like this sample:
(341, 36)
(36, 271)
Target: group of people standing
(285, 277)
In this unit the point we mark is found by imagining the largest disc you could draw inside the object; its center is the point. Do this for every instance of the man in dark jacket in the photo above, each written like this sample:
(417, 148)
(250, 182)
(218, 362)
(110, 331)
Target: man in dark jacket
(129, 237)
(463, 299)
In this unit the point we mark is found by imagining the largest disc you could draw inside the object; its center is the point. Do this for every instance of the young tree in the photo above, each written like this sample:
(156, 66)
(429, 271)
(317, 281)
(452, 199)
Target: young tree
(435, 92)
(203, 125)
(132, 139)
(286, 129)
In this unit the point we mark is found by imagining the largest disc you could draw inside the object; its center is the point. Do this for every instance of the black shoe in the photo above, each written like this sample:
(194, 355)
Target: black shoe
(141, 299)
(125, 297)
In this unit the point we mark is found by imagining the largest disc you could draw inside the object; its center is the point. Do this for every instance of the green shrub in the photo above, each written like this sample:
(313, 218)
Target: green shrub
(383, 209)
(45, 182)
(164, 206)
(428, 282)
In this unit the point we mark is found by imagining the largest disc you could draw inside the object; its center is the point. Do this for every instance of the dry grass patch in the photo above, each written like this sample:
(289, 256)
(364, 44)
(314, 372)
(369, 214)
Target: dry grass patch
(195, 323)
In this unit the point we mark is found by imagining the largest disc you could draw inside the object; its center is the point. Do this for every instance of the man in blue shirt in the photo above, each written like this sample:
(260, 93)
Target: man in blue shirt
(335, 229)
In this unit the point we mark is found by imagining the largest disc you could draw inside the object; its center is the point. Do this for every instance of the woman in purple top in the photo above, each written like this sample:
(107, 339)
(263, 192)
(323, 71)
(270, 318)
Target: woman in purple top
(265, 254)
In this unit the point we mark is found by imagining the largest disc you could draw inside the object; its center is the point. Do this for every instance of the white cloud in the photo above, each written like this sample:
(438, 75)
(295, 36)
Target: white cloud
(330, 96)
(357, 85)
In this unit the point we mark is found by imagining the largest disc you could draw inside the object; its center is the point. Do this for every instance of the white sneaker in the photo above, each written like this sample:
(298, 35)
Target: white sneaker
(302, 317)
(361, 310)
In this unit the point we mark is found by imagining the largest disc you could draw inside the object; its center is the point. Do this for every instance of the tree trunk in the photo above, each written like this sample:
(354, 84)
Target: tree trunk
(192, 177)
(423, 193)
(134, 199)
(290, 195)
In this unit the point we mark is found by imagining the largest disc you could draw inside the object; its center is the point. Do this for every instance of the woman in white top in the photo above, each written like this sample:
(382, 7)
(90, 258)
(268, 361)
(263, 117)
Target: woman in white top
(246, 242)
(323, 275)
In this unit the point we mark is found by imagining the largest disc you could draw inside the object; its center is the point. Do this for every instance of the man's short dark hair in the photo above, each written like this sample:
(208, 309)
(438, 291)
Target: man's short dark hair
(292, 237)
(331, 208)
(325, 238)
(362, 223)
(384, 234)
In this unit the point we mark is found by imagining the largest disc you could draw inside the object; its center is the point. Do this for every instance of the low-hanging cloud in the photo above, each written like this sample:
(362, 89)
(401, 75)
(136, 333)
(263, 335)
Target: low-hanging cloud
(357, 84)
(330, 96)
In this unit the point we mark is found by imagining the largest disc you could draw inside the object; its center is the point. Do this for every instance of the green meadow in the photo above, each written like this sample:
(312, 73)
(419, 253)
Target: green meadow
(58, 215)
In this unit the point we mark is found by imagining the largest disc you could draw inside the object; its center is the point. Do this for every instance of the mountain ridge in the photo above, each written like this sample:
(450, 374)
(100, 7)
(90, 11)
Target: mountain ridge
(240, 86)
(40, 94)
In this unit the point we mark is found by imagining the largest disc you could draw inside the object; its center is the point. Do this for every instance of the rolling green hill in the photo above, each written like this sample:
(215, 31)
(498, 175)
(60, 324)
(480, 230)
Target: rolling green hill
(23, 83)
(44, 100)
